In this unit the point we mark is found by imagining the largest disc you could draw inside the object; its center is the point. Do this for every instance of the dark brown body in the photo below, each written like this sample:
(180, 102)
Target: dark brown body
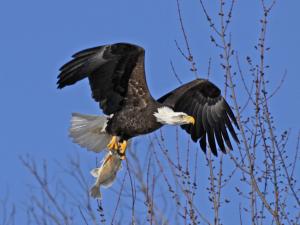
(132, 122)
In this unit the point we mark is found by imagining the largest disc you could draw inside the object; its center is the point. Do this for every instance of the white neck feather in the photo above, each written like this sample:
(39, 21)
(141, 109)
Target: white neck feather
(166, 115)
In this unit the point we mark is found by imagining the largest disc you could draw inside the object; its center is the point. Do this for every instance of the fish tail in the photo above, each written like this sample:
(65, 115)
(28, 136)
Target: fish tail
(95, 192)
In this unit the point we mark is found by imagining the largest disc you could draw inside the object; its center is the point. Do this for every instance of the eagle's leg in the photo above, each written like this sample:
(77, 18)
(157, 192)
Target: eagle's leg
(113, 144)
(122, 150)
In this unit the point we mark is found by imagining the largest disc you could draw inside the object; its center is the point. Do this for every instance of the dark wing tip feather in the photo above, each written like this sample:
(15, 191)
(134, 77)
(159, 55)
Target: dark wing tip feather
(212, 143)
(220, 140)
(77, 68)
(231, 115)
(225, 136)
(88, 51)
(230, 128)
(202, 142)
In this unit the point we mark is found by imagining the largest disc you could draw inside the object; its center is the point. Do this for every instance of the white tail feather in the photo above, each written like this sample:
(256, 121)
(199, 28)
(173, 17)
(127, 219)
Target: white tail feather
(89, 131)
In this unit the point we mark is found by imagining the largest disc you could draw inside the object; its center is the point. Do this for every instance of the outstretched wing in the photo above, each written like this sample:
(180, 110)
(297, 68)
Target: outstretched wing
(203, 100)
(115, 72)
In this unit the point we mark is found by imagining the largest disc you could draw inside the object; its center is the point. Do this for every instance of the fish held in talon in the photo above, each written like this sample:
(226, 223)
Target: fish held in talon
(106, 173)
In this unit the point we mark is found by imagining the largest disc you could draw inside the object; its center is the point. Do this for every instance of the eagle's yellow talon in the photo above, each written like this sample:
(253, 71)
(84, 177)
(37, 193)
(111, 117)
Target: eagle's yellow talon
(113, 144)
(120, 147)
(122, 150)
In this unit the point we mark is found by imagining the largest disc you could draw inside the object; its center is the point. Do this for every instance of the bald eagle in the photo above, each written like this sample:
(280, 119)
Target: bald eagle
(116, 76)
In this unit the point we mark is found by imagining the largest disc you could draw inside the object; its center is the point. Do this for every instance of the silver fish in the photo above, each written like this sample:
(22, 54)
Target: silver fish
(106, 173)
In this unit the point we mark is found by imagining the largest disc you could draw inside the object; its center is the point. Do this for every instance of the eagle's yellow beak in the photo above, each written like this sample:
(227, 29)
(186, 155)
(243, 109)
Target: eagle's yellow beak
(190, 119)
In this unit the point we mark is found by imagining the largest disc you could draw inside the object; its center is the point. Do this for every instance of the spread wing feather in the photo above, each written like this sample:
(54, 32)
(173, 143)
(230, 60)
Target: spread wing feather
(114, 72)
(203, 100)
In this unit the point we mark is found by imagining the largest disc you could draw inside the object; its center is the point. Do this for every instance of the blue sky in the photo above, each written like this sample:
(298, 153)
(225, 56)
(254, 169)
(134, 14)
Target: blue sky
(37, 37)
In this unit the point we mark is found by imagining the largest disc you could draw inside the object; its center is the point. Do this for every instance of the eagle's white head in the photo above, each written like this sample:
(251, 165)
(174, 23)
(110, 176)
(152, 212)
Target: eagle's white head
(166, 115)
